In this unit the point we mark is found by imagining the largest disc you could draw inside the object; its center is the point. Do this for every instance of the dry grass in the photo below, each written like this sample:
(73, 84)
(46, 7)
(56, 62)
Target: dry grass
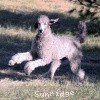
(35, 4)
(17, 18)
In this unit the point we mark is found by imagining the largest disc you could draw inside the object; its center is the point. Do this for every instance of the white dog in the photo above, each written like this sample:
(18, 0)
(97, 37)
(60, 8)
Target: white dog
(47, 47)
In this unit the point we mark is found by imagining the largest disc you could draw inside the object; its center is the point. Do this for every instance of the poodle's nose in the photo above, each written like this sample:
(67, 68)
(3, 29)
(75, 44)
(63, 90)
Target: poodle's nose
(40, 31)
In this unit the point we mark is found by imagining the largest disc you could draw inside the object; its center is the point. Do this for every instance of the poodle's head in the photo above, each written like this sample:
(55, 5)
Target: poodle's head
(44, 22)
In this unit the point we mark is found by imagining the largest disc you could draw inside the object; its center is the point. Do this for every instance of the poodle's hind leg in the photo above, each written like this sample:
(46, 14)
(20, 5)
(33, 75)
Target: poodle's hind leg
(75, 64)
(19, 58)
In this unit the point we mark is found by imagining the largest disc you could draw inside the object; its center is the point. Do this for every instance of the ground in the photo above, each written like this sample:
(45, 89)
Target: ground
(17, 18)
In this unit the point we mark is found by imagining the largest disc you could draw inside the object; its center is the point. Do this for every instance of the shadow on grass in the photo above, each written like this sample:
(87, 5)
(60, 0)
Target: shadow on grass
(14, 76)
(27, 20)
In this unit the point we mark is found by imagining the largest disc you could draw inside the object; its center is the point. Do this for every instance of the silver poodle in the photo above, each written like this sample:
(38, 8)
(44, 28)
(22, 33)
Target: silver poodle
(49, 48)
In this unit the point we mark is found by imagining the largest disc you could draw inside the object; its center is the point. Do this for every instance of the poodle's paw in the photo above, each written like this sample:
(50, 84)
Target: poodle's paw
(29, 67)
(16, 59)
(81, 75)
(11, 62)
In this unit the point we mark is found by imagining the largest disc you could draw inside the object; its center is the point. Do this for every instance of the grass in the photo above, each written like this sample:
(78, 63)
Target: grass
(17, 19)
(49, 90)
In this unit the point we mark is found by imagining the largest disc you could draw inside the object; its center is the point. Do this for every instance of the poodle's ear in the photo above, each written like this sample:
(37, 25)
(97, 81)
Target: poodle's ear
(52, 21)
(36, 25)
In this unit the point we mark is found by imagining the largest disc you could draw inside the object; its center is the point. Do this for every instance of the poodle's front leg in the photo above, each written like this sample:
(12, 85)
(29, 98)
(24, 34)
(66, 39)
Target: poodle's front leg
(31, 65)
(19, 58)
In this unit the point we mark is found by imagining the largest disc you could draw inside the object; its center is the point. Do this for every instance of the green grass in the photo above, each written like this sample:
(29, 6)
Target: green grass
(17, 19)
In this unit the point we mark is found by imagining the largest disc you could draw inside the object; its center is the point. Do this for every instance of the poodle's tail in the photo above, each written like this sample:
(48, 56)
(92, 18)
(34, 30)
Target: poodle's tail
(82, 27)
